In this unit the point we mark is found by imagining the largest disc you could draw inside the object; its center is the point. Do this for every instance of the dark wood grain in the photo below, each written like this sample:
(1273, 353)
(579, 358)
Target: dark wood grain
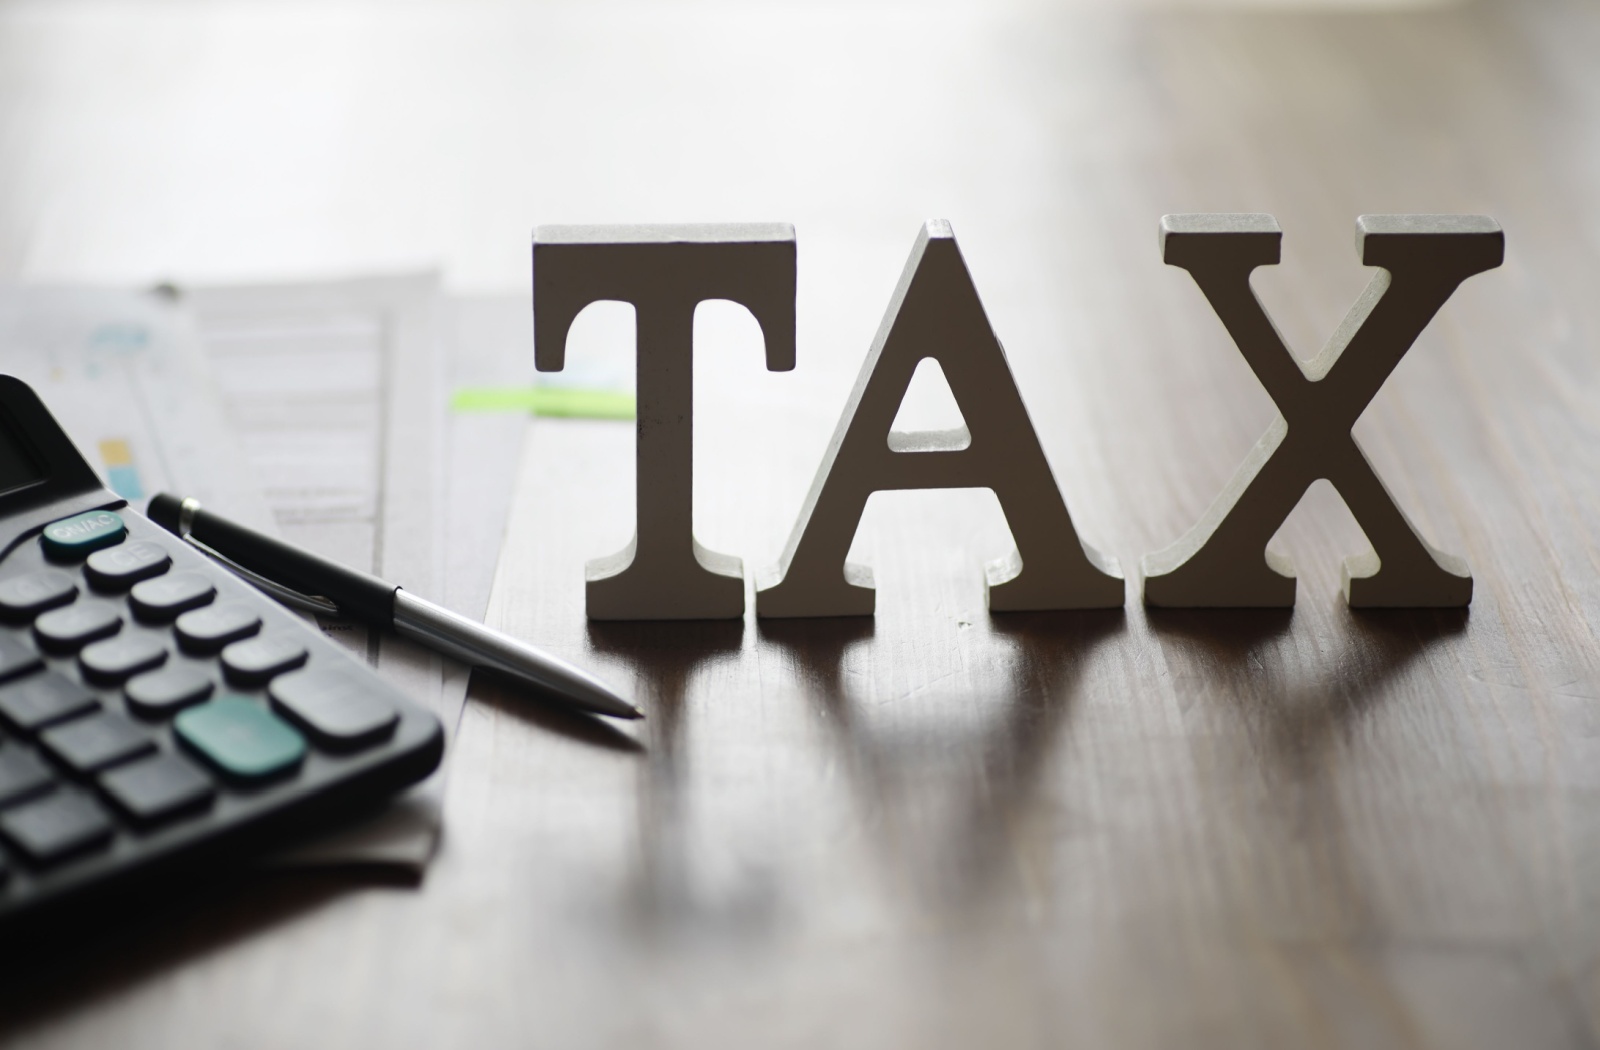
(941, 828)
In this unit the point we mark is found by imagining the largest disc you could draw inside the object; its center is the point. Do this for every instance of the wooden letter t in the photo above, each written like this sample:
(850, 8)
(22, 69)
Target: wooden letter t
(665, 272)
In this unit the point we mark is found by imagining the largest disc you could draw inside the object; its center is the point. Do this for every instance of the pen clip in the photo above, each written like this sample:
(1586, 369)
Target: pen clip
(311, 603)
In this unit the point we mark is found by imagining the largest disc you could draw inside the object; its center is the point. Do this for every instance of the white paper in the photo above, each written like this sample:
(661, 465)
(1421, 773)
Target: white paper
(122, 373)
(336, 393)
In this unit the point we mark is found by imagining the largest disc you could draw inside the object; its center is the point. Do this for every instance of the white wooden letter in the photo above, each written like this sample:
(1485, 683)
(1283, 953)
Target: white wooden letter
(665, 272)
(935, 313)
(1222, 560)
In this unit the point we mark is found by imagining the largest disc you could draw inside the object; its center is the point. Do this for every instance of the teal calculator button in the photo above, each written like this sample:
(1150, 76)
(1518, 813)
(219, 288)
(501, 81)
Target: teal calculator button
(241, 738)
(80, 534)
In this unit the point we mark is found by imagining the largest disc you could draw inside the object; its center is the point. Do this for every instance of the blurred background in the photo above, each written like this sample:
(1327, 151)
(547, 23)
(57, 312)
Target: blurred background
(206, 142)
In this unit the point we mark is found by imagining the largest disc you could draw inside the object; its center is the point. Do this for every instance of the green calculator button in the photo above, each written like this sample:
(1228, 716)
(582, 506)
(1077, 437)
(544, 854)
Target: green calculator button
(241, 738)
(77, 536)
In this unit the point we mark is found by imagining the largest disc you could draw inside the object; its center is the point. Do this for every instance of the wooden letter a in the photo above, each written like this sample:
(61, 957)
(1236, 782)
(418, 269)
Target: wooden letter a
(935, 313)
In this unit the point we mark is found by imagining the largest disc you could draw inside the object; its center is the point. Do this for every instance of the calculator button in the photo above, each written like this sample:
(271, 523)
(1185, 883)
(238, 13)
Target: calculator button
(338, 710)
(56, 826)
(88, 745)
(241, 738)
(261, 659)
(165, 597)
(122, 567)
(33, 703)
(118, 659)
(77, 625)
(17, 657)
(24, 597)
(22, 775)
(74, 537)
(157, 788)
(161, 693)
(210, 629)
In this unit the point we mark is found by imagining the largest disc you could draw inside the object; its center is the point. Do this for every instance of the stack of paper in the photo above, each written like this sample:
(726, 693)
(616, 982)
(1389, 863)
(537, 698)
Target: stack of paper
(319, 412)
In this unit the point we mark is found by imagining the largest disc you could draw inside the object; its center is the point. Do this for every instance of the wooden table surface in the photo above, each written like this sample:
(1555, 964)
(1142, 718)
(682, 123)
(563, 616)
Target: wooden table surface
(934, 828)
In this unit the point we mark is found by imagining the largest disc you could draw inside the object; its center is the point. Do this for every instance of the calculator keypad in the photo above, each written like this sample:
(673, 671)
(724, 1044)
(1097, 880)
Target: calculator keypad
(22, 774)
(211, 629)
(34, 702)
(26, 596)
(72, 538)
(259, 660)
(157, 788)
(17, 658)
(130, 696)
(88, 745)
(57, 826)
(333, 708)
(115, 660)
(74, 626)
(122, 566)
(160, 694)
(241, 738)
(168, 597)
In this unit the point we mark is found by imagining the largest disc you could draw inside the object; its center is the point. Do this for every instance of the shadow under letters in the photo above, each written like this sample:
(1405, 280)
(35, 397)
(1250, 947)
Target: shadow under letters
(952, 807)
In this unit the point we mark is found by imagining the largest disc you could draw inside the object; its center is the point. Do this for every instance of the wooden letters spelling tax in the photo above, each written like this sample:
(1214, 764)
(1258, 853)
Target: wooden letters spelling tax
(665, 271)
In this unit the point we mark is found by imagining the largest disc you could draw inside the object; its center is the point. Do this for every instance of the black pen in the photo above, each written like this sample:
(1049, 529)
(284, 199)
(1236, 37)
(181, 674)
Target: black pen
(276, 566)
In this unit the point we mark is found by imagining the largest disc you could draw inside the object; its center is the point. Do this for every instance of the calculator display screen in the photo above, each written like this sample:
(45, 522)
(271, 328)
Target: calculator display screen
(17, 465)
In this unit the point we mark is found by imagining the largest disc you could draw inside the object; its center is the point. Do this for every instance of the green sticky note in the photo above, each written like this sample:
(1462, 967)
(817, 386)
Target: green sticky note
(556, 401)
(241, 737)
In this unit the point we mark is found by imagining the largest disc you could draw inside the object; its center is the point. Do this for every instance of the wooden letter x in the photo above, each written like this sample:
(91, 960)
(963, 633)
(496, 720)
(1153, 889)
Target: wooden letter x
(665, 272)
(935, 313)
(1222, 561)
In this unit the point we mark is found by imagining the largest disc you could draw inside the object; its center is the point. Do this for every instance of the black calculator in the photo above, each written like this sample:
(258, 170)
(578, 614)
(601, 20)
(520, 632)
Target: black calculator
(155, 710)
